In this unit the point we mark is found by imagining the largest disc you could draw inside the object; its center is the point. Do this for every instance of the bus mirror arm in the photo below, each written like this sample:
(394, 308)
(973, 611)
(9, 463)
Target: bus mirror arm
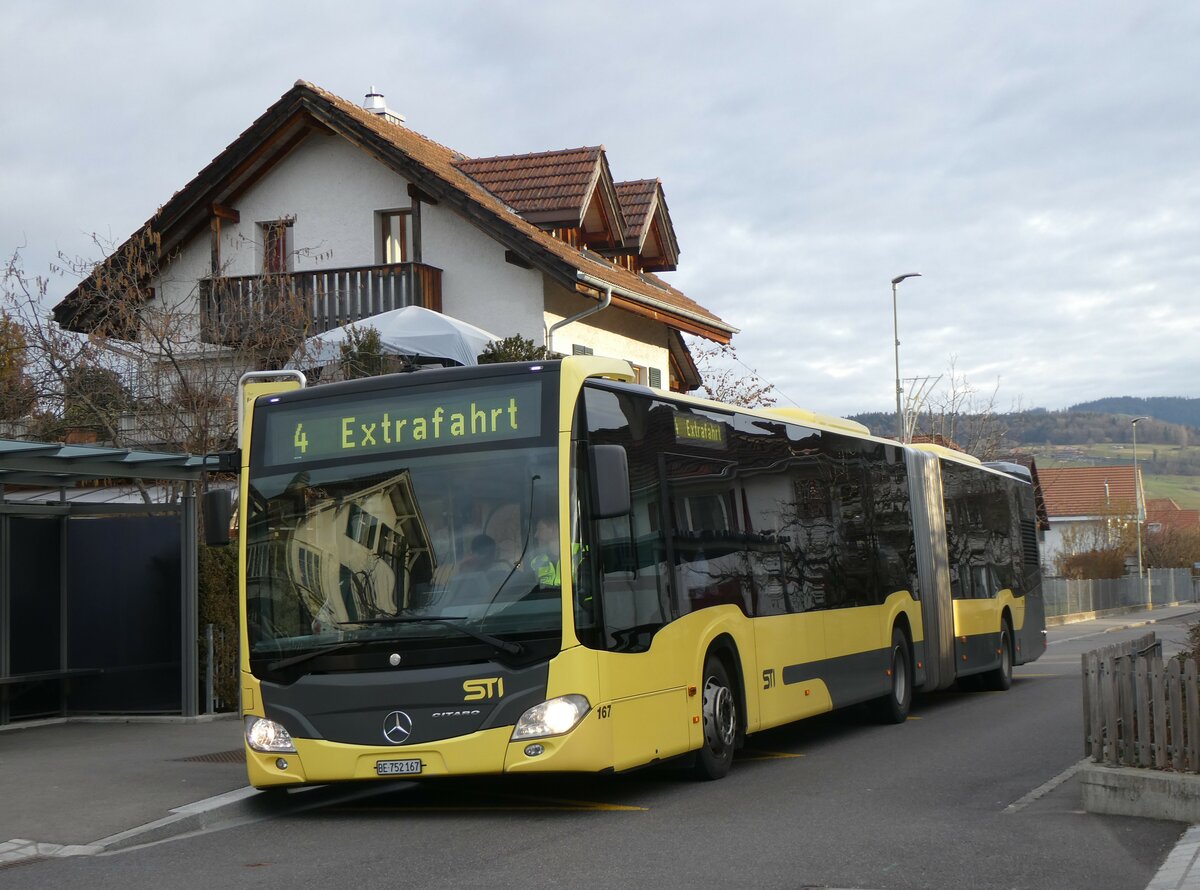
(218, 511)
(224, 461)
(609, 471)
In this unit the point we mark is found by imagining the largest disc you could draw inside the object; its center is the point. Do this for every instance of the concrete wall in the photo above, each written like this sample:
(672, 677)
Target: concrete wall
(1151, 794)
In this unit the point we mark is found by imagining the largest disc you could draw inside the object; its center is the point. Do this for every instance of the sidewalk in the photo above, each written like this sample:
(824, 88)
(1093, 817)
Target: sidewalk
(1120, 619)
(82, 787)
(75, 787)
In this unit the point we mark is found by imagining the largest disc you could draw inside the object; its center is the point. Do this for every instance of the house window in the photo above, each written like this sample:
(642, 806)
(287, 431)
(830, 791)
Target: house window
(395, 232)
(577, 349)
(277, 247)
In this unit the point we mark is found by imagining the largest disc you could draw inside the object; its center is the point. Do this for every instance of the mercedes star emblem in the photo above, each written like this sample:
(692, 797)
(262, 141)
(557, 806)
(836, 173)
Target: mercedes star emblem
(397, 727)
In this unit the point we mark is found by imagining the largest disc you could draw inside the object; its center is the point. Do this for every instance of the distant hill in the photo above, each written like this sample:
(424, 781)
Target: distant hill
(1178, 452)
(1171, 409)
(1169, 450)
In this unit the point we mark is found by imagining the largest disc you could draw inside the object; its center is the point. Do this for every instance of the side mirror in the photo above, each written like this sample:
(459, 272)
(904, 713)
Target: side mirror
(218, 511)
(609, 481)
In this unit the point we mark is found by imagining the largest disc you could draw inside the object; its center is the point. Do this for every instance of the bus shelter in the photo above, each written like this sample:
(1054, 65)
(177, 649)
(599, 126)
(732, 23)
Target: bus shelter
(98, 581)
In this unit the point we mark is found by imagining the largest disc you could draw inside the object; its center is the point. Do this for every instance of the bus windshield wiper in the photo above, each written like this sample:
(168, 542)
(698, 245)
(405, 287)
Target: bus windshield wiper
(444, 621)
(312, 653)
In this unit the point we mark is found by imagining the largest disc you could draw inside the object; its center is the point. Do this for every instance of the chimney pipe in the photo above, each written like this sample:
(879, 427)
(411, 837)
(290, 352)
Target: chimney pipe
(376, 104)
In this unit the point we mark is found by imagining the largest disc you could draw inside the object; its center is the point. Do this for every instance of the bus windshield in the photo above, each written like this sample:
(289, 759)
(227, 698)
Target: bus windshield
(440, 549)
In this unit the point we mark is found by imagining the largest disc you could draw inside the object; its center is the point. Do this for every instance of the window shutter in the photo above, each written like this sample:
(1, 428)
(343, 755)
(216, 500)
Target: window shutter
(656, 378)
(576, 349)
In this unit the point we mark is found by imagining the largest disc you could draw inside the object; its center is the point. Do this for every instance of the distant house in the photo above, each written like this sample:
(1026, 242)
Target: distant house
(1163, 514)
(348, 208)
(1084, 498)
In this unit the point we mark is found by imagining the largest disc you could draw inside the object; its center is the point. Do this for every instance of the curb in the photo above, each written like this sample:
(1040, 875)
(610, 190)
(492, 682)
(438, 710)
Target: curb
(238, 807)
(182, 820)
(120, 718)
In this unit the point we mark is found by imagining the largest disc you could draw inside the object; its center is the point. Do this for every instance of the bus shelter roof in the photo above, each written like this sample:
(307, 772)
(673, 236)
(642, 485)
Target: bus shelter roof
(52, 464)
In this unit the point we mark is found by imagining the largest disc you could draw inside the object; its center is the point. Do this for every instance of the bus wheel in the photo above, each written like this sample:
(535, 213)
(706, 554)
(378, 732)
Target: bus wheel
(894, 707)
(720, 722)
(1000, 678)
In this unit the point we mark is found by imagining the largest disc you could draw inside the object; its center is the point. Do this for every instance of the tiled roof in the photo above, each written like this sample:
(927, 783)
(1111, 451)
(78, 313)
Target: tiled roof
(544, 182)
(636, 198)
(444, 163)
(432, 167)
(1087, 491)
(1170, 515)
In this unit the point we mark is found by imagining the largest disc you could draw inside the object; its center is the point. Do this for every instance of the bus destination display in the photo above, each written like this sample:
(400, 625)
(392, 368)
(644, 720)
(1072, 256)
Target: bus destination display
(405, 420)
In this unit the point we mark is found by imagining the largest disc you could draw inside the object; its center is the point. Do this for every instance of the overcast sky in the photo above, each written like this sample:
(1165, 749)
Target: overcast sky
(1038, 163)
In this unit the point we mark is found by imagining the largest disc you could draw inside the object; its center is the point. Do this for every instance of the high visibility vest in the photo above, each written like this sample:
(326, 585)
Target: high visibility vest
(548, 571)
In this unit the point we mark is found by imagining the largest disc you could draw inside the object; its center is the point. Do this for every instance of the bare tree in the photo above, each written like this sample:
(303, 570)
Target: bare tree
(727, 379)
(960, 414)
(17, 392)
(148, 372)
(1170, 548)
(1098, 549)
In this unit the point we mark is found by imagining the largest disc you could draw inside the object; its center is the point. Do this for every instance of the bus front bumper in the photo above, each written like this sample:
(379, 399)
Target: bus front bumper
(586, 748)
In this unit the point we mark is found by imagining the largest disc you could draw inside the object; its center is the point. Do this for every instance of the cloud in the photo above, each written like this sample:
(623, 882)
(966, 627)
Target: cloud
(1035, 162)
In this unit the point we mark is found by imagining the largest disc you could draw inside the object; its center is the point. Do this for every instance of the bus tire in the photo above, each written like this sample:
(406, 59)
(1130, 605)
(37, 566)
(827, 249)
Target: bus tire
(894, 707)
(1000, 678)
(720, 718)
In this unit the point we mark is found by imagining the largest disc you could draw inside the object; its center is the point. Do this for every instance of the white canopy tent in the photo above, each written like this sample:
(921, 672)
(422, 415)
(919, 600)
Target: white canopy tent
(411, 331)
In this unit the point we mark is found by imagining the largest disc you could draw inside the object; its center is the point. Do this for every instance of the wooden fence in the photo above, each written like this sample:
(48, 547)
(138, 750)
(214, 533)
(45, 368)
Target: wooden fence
(1139, 710)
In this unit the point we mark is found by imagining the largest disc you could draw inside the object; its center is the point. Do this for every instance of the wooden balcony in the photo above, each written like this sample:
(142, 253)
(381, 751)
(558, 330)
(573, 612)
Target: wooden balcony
(270, 309)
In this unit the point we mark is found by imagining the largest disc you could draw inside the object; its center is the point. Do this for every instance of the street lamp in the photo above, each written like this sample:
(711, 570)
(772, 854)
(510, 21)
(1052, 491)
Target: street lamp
(896, 337)
(1137, 494)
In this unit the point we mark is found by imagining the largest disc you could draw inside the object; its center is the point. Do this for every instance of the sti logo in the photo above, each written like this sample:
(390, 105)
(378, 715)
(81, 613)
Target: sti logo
(488, 687)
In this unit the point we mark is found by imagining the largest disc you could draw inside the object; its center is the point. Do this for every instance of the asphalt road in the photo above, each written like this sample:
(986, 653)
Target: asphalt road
(955, 797)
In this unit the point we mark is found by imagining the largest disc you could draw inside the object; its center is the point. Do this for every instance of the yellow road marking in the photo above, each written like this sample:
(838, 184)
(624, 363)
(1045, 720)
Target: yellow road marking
(910, 717)
(593, 805)
(767, 755)
(1025, 676)
(533, 805)
(447, 808)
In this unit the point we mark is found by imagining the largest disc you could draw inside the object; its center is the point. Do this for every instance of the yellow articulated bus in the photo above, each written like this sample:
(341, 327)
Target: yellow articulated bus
(543, 567)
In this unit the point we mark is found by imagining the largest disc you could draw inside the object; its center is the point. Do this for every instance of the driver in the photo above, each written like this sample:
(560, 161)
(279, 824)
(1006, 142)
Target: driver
(545, 562)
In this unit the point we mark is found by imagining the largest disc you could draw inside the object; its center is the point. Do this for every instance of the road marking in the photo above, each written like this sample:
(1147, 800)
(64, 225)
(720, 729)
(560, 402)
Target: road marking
(1025, 676)
(548, 805)
(767, 755)
(1045, 788)
(913, 718)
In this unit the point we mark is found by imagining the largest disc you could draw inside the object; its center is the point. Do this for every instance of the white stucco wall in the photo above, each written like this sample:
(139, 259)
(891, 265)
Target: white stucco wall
(478, 286)
(1052, 543)
(611, 332)
(332, 191)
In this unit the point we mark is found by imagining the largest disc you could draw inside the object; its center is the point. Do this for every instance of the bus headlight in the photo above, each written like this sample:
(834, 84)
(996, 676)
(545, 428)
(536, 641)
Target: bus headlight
(552, 717)
(268, 736)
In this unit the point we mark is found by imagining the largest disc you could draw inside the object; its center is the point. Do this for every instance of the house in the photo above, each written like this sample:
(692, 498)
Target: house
(1163, 514)
(324, 212)
(1090, 501)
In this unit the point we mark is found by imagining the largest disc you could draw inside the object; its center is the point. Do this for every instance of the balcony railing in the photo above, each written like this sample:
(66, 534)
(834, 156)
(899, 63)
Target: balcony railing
(269, 309)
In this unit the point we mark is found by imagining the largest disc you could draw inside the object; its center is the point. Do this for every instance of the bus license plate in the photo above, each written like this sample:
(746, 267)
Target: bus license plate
(397, 767)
